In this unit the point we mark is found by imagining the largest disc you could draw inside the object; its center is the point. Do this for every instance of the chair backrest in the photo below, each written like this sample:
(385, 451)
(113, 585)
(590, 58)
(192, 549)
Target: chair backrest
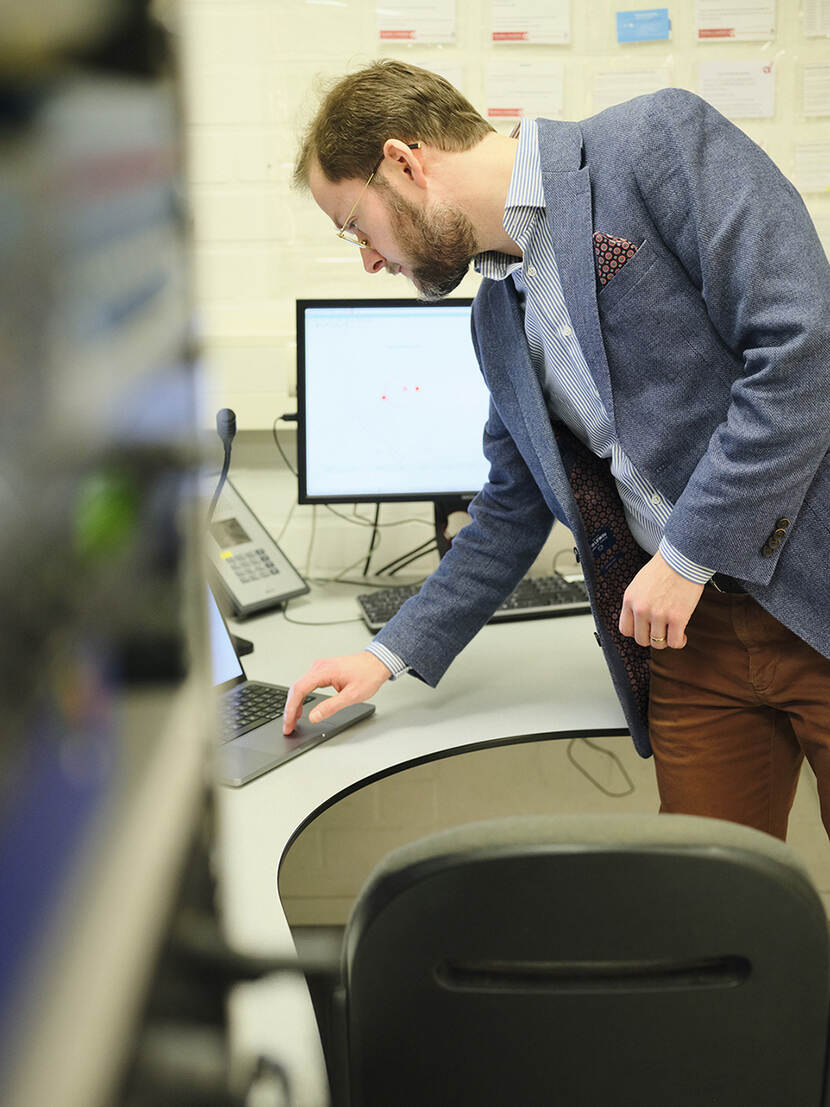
(586, 961)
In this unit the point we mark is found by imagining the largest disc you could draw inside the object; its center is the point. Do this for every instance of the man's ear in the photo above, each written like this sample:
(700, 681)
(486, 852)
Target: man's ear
(402, 158)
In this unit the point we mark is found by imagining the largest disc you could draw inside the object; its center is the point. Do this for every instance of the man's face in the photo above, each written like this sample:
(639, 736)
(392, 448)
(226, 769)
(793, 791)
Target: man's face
(433, 247)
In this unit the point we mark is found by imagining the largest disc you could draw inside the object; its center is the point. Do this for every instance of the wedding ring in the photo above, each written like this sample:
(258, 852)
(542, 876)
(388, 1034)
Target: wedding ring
(657, 639)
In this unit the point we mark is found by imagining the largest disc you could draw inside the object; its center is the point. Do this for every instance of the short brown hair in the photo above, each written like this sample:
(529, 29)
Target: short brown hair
(388, 99)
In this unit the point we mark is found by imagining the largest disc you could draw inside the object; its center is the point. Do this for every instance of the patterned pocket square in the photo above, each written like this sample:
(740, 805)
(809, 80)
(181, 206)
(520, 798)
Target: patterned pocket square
(611, 254)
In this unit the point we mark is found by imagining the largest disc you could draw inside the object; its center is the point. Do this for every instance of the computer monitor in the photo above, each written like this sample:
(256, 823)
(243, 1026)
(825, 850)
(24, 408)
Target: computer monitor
(391, 402)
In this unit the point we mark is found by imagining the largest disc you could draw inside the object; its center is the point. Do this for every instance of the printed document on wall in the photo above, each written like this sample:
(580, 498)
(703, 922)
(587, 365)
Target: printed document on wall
(740, 90)
(539, 21)
(816, 89)
(735, 20)
(416, 20)
(812, 166)
(517, 90)
(615, 86)
(816, 18)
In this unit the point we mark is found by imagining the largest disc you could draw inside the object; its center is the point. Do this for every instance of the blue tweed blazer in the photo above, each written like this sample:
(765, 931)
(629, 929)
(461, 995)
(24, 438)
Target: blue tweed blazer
(710, 349)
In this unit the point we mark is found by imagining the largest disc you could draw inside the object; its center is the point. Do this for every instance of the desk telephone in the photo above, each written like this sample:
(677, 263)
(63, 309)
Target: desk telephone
(245, 564)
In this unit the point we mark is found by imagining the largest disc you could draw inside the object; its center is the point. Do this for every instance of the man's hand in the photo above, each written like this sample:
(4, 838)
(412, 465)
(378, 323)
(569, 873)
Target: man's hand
(355, 677)
(657, 605)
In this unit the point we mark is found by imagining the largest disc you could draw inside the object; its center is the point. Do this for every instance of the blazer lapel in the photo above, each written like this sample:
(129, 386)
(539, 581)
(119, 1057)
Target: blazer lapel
(567, 188)
(515, 386)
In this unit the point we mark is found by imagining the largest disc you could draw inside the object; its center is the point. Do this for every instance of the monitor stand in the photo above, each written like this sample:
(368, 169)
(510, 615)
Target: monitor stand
(442, 509)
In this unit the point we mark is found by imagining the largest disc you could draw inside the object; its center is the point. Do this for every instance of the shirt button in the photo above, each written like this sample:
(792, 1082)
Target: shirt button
(567, 332)
(656, 499)
(531, 272)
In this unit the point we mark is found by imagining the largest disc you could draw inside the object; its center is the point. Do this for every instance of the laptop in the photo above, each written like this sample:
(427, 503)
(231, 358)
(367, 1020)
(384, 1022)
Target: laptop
(251, 741)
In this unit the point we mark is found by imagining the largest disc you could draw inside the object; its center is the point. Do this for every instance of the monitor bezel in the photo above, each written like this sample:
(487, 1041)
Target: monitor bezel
(303, 496)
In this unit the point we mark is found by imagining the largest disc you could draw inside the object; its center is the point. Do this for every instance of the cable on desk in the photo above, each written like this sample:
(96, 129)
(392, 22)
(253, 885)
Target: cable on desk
(559, 555)
(355, 519)
(362, 521)
(361, 583)
(328, 623)
(288, 519)
(606, 753)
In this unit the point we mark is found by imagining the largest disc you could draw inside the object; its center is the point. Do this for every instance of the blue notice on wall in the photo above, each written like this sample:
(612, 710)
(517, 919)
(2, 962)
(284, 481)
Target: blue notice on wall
(646, 25)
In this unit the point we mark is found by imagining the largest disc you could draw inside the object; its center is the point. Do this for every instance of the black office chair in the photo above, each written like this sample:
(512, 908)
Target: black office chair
(582, 961)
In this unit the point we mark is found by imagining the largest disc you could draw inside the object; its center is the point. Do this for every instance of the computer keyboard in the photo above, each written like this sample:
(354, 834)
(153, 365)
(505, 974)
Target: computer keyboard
(533, 598)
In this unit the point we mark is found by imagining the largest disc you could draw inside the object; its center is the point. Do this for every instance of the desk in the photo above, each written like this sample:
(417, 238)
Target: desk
(514, 682)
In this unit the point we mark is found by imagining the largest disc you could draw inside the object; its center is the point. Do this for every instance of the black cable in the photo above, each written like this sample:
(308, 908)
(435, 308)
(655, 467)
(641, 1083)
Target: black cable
(374, 583)
(373, 540)
(355, 520)
(283, 454)
(428, 547)
(606, 753)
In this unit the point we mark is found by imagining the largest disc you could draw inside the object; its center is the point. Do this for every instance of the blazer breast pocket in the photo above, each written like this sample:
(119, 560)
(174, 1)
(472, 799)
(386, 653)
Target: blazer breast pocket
(620, 266)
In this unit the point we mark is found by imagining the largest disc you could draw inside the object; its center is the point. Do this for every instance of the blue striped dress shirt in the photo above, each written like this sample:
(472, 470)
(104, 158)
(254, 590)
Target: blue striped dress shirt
(556, 355)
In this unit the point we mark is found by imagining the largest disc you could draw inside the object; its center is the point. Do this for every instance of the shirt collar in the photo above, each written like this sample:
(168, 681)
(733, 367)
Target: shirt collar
(525, 199)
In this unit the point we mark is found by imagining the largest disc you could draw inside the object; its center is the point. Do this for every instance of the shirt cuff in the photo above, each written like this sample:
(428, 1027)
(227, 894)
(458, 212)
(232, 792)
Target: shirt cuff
(396, 665)
(698, 574)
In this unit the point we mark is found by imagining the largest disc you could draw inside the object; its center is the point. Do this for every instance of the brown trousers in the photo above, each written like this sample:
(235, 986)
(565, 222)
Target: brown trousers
(735, 712)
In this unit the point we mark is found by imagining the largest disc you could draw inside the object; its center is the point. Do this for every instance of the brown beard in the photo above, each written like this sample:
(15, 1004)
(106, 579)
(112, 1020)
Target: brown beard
(439, 244)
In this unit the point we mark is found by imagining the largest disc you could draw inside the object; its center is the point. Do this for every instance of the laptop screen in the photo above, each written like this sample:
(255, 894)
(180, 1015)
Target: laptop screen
(224, 662)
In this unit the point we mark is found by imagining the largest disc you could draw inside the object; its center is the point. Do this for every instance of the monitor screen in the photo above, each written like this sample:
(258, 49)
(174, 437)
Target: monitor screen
(391, 402)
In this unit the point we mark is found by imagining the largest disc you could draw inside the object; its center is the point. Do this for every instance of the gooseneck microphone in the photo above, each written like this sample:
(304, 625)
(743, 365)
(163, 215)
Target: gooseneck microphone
(226, 429)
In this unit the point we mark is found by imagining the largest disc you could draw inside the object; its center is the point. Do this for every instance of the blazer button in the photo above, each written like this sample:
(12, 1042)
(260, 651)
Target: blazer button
(782, 523)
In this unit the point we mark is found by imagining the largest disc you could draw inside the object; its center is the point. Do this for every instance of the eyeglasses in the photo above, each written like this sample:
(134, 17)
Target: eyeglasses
(352, 236)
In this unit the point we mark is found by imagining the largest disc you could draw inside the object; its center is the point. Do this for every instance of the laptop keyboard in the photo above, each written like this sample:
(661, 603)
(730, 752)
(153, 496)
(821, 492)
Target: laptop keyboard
(250, 705)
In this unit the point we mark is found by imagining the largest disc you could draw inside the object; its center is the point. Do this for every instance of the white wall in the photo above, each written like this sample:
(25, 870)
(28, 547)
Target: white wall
(250, 68)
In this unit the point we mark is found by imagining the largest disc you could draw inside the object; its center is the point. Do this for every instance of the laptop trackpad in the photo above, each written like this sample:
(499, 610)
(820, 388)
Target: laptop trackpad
(268, 738)
(236, 766)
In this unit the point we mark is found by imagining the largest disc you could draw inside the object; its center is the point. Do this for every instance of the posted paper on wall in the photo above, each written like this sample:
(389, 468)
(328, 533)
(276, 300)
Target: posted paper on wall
(816, 91)
(616, 86)
(517, 90)
(540, 21)
(737, 20)
(812, 166)
(416, 20)
(643, 25)
(740, 90)
(816, 18)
